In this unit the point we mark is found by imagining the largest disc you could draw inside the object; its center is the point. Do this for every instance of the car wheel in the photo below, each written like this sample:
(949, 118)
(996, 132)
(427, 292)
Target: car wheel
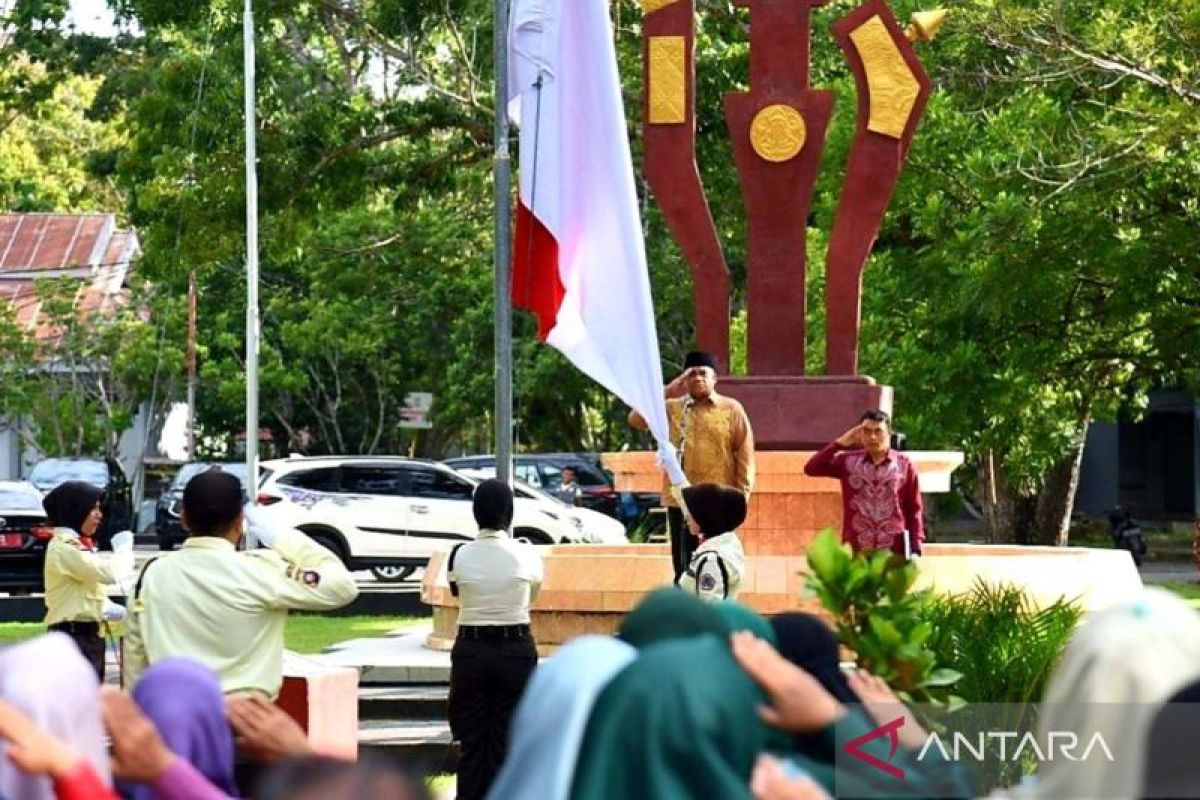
(392, 573)
(533, 536)
(329, 540)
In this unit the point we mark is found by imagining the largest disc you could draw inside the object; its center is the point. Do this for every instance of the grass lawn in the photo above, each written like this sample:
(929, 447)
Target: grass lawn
(312, 633)
(305, 633)
(1186, 589)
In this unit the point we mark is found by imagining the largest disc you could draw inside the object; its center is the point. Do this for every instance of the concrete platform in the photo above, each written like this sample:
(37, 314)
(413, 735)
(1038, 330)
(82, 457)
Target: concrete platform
(589, 588)
(397, 658)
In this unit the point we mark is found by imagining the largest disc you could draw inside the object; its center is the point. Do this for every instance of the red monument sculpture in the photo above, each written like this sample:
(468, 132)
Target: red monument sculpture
(778, 133)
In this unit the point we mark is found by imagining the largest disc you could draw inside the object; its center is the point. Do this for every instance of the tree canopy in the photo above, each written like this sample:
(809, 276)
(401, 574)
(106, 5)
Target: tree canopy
(1037, 269)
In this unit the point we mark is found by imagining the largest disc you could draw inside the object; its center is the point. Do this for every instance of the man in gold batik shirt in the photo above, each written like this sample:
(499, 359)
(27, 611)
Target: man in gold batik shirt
(715, 441)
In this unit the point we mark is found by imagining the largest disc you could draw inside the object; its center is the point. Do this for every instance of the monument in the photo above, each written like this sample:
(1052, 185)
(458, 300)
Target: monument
(777, 128)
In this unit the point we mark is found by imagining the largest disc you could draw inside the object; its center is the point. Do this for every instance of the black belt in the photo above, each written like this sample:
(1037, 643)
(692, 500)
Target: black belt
(492, 632)
(77, 627)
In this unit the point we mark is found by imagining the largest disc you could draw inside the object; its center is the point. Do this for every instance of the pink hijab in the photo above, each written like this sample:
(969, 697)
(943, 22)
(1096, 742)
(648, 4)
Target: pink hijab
(49, 680)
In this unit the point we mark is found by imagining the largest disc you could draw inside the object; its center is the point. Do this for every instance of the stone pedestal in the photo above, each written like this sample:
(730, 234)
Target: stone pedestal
(787, 508)
(804, 412)
(324, 700)
(589, 588)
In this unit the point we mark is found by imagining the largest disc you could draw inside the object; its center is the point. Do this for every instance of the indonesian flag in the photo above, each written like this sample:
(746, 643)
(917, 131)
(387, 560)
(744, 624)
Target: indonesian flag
(579, 260)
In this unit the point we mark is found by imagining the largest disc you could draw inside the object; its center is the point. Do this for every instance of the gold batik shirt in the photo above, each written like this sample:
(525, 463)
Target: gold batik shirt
(716, 441)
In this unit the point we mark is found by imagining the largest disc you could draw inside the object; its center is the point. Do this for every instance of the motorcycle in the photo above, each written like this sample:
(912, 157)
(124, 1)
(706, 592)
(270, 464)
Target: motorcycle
(1127, 534)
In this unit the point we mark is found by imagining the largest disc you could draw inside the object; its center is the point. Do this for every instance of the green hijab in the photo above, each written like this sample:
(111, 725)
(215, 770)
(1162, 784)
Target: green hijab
(680, 722)
(670, 613)
(738, 617)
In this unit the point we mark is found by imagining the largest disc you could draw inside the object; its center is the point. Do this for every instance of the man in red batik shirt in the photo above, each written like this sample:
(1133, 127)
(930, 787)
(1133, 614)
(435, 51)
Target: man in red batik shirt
(881, 500)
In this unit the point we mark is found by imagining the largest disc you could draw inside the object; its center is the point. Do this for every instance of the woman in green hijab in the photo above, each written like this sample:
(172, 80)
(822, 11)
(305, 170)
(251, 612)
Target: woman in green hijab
(680, 722)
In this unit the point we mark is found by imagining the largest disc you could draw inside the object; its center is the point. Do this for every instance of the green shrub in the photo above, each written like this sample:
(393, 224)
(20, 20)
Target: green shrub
(1004, 645)
(880, 617)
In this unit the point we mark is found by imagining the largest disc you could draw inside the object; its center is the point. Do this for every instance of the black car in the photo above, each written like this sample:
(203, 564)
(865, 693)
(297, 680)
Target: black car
(167, 524)
(103, 473)
(24, 534)
(544, 471)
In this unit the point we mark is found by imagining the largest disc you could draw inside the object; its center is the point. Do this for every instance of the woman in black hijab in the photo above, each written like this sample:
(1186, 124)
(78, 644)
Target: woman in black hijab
(495, 579)
(75, 574)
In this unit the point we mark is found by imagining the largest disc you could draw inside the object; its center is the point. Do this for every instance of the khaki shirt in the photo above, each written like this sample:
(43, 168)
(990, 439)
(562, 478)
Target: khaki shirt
(716, 570)
(717, 445)
(76, 576)
(226, 609)
(497, 578)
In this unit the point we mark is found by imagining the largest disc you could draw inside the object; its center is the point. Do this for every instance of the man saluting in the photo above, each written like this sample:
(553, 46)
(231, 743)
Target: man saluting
(715, 441)
(881, 500)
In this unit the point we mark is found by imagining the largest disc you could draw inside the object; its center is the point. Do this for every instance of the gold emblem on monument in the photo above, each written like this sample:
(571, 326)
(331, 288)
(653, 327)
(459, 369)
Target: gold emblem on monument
(777, 133)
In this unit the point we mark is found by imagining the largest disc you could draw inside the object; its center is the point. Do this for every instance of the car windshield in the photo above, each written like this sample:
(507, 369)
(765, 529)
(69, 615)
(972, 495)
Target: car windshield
(189, 471)
(19, 499)
(53, 471)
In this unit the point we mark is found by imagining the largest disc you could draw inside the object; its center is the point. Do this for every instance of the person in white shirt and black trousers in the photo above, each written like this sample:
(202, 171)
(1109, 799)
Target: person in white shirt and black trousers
(496, 580)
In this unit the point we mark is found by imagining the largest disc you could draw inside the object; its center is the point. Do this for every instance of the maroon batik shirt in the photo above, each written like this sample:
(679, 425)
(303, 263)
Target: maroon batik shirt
(879, 501)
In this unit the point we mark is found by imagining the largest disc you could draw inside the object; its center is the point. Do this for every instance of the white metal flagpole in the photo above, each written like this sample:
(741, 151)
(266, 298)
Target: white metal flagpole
(251, 263)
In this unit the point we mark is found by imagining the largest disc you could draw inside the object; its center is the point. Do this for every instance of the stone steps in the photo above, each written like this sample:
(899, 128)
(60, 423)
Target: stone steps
(403, 697)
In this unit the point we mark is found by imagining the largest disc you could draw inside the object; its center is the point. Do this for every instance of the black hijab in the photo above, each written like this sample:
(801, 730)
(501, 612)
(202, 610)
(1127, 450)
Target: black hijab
(69, 504)
(493, 505)
(1170, 769)
(807, 642)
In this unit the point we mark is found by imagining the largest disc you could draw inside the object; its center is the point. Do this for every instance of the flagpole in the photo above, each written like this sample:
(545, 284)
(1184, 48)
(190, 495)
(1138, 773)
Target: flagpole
(501, 169)
(251, 260)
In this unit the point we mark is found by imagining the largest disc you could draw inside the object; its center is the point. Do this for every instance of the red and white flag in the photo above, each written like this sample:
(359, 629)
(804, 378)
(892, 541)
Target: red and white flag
(579, 260)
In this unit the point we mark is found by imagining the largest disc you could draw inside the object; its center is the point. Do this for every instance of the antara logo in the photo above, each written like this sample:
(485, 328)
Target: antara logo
(889, 729)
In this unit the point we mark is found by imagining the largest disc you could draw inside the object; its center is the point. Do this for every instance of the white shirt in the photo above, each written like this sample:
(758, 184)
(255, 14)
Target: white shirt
(705, 577)
(497, 578)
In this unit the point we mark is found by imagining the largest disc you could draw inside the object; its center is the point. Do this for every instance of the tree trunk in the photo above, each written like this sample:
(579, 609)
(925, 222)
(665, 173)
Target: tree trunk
(1052, 519)
(994, 501)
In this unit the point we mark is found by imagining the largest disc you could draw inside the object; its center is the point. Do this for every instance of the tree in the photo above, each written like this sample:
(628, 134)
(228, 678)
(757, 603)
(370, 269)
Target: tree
(72, 382)
(1038, 270)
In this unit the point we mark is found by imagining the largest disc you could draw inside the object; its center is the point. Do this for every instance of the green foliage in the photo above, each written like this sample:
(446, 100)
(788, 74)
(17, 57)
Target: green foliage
(1005, 646)
(880, 617)
(1006, 649)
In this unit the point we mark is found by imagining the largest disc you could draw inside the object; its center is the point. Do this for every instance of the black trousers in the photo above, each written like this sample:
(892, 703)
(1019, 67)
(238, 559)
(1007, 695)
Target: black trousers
(88, 639)
(487, 678)
(683, 544)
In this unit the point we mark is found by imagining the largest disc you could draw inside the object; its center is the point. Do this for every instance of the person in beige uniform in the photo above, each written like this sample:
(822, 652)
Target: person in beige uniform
(496, 580)
(715, 441)
(75, 574)
(224, 608)
(719, 563)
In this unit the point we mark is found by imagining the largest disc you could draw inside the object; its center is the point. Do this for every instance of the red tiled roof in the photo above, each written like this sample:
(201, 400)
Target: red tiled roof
(39, 242)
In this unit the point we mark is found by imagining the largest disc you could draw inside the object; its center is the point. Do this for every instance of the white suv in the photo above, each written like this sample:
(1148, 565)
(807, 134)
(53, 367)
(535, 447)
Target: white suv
(390, 514)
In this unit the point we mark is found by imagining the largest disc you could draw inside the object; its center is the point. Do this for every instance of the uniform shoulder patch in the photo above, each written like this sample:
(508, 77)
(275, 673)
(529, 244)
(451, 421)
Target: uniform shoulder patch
(310, 577)
(708, 581)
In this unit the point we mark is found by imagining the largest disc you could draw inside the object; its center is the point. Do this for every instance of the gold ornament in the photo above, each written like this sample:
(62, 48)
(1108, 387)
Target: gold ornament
(667, 94)
(924, 25)
(891, 86)
(650, 6)
(778, 133)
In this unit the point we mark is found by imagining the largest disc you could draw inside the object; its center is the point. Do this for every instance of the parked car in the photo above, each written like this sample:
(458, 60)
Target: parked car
(544, 471)
(167, 524)
(593, 526)
(24, 534)
(389, 514)
(103, 473)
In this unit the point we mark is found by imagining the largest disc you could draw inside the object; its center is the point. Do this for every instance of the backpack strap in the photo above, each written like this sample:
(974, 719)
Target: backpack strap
(450, 569)
(137, 588)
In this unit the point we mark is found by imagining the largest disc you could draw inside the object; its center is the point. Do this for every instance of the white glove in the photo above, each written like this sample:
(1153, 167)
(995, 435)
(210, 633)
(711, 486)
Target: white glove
(259, 523)
(113, 612)
(122, 541)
